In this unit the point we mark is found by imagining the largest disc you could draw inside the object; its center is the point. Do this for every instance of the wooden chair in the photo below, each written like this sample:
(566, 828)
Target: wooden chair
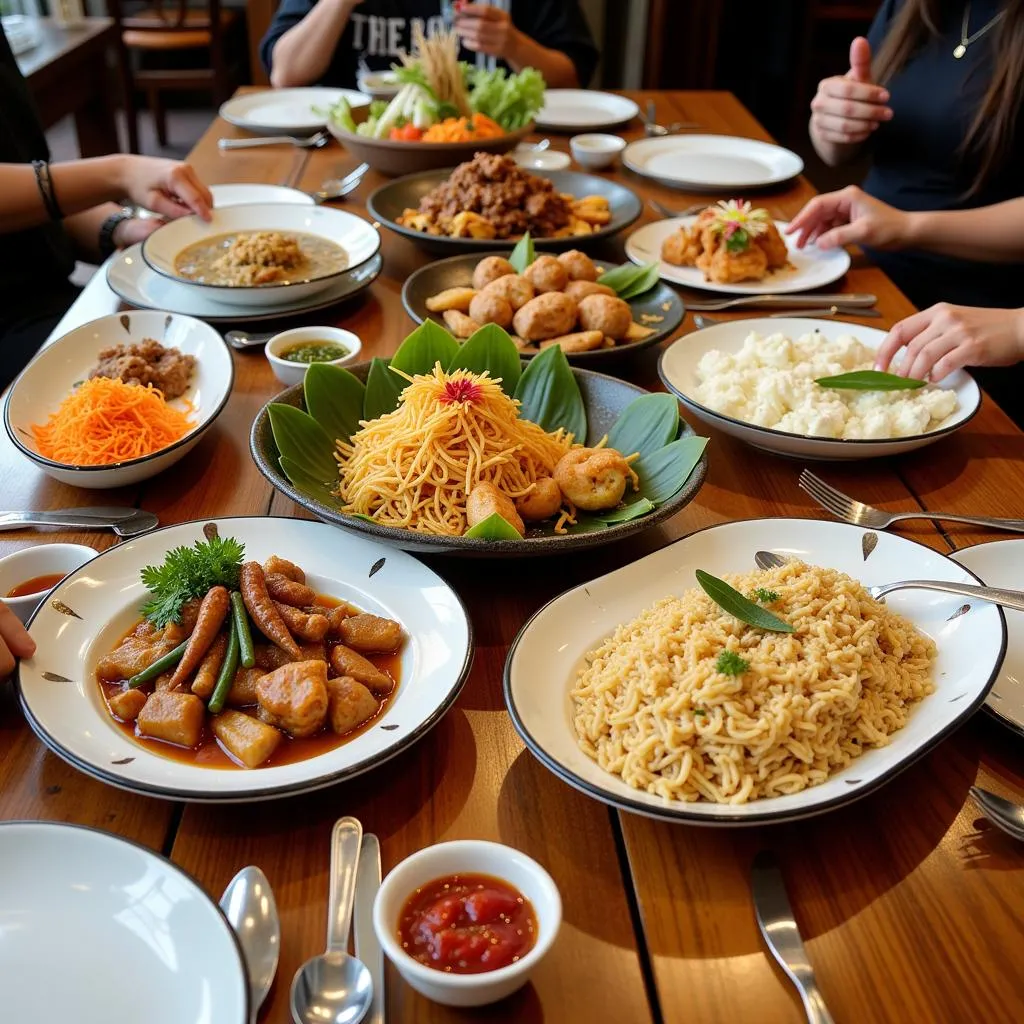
(148, 27)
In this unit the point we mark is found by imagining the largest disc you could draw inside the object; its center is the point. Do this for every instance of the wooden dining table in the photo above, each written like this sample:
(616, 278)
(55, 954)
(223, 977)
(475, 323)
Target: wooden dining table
(910, 902)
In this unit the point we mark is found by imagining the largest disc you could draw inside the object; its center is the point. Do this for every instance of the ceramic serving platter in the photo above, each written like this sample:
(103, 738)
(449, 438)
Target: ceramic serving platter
(287, 111)
(580, 110)
(546, 656)
(85, 616)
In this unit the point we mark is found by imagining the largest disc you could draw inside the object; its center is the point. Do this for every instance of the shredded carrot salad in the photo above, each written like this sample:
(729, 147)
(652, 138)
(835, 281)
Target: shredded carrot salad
(104, 421)
(463, 129)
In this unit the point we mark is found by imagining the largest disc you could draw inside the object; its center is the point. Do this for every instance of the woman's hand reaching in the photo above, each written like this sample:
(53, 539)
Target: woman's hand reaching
(167, 187)
(850, 217)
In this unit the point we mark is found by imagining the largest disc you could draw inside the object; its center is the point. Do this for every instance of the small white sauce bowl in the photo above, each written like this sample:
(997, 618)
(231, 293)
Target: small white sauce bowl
(596, 151)
(38, 560)
(467, 856)
(541, 159)
(378, 85)
(288, 372)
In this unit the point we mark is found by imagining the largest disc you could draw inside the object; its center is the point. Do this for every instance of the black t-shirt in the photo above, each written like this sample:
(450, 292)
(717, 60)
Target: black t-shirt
(917, 163)
(378, 29)
(36, 261)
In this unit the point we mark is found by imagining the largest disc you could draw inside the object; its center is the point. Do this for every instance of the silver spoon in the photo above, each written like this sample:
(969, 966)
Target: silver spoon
(336, 988)
(1003, 813)
(248, 903)
(141, 522)
(335, 188)
(243, 339)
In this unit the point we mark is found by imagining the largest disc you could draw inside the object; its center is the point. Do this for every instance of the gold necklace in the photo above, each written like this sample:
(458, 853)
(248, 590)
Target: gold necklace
(965, 40)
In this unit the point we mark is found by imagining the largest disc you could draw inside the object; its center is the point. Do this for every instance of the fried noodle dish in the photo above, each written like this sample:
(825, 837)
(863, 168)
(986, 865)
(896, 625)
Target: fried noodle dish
(689, 703)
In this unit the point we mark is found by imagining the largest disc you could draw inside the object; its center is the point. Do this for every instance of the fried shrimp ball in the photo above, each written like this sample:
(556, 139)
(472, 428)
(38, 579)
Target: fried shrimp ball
(490, 309)
(579, 290)
(485, 499)
(542, 502)
(546, 274)
(515, 289)
(578, 265)
(547, 316)
(592, 478)
(605, 313)
(490, 269)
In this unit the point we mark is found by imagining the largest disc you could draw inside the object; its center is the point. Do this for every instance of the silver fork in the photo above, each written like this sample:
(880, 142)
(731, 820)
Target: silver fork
(666, 211)
(1003, 813)
(843, 507)
(312, 142)
(1013, 599)
(860, 300)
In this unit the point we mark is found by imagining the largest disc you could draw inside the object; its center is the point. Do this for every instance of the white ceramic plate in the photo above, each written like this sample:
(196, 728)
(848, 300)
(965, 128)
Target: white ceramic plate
(49, 378)
(1000, 563)
(76, 902)
(580, 110)
(287, 111)
(130, 278)
(63, 704)
(545, 657)
(811, 267)
(678, 366)
(711, 163)
(357, 237)
(246, 193)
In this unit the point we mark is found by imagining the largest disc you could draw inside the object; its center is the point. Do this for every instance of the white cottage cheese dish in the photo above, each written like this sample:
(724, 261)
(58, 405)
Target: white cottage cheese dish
(769, 382)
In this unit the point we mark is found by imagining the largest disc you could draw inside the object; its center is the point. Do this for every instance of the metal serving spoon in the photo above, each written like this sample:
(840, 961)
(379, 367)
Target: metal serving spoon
(242, 340)
(335, 188)
(248, 903)
(1003, 813)
(336, 988)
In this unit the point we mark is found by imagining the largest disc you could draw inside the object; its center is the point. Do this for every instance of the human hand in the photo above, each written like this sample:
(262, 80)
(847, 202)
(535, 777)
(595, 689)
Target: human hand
(14, 641)
(167, 187)
(135, 229)
(484, 29)
(847, 108)
(943, 338)
(849, 217)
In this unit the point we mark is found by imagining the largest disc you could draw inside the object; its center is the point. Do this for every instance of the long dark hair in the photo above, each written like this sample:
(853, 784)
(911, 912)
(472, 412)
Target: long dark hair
(990, 136)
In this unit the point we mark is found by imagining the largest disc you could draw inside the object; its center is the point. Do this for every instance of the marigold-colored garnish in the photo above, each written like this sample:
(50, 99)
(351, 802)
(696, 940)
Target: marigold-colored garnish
(461, 389)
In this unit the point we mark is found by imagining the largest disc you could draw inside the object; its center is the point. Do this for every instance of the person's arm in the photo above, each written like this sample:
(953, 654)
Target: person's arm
(300, 54)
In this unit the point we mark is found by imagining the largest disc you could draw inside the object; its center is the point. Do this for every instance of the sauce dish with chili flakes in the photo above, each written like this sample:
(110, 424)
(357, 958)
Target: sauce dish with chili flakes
(436, 907)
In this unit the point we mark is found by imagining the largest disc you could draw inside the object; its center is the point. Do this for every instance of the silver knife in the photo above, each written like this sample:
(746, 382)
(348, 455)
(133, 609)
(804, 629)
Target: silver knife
(827, 311)
(778, 926)
(704, 303)
(367, 946)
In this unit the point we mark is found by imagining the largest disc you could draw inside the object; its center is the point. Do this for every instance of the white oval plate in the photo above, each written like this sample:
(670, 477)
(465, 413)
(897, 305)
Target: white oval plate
(70, 718)
(130, 278)
(580, 110)
(711, 163)
(75, 903)
(287, 111)
(545, 657)
(245, 193)
(1000, 563)
(49, 378)
(357, 237)
(811, 267)
(678, 365)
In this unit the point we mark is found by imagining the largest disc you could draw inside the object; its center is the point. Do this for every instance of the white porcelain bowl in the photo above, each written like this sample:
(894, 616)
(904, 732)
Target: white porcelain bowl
(49, 378)
(467, 856)
(357, 237)
(38, 560)
(378, 85)
(595, 151)
(541, 159)
(288, 372)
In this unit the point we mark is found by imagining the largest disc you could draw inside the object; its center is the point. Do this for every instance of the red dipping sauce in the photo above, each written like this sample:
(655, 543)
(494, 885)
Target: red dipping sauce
(36, 585)
(467, 924)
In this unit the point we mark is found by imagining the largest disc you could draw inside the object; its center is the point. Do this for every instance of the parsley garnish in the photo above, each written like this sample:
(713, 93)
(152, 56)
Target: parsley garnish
(765, 596)
(700, 711)
(190, 572)
(737, 241)
(731, 664)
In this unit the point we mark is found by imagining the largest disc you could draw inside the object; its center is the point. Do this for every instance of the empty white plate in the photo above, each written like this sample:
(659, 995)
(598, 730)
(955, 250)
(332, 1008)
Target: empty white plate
(287, 111)
(580, 110)
(1000, 563)
(809, 268)
(711, 163)
(97, 930)
(243, 193)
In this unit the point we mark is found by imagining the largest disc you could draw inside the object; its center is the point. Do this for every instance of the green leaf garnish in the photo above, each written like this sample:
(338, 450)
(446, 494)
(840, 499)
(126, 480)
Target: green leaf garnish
(765, 596)
(646, 425)
(870, 380)
(491, 349)
(310, 485)
(737, 241)
(383, 390)
(430, 343)
(304, 442)
(550, 396)
(663, 473)
(624, 513)
(632, 278)
(187, 573)
(493, 528)
(523, 254)
(334, 398)
(729, 663)
(733, 602)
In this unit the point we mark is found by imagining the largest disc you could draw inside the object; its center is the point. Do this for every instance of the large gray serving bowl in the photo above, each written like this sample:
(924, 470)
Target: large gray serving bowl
(605, 398)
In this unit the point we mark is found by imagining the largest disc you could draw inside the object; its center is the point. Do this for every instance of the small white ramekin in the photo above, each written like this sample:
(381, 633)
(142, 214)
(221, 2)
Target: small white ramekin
(467, 856)
(288, 372)
(595, 151)
(38, 560)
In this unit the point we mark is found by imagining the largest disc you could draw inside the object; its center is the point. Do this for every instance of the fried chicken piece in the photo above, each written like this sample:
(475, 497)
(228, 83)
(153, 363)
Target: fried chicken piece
(774, 246)
(726, 267)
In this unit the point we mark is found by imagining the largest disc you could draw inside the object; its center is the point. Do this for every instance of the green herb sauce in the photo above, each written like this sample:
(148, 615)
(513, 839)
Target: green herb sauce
(314, 352)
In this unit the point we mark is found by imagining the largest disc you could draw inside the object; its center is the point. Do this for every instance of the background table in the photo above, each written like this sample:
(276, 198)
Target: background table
(911, 905)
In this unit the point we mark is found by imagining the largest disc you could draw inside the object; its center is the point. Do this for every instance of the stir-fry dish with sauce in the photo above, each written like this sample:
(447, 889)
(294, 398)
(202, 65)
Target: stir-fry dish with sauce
(238, 663)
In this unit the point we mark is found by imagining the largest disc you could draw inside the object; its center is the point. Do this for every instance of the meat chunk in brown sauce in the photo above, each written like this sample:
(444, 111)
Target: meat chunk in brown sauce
(335, 617)
(173, 717)
(346, 662)
(269, 657)
(246, 739)
(303, 625)
(136, 652)
(127, 704)
(277, 566)
(294, 697)
(370, 633)
(287, 591)
(350, 704)
(243, 687)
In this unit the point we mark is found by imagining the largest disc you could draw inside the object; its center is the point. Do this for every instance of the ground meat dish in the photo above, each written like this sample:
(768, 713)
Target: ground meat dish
(500, 191)
(260, 257)
(147, 363)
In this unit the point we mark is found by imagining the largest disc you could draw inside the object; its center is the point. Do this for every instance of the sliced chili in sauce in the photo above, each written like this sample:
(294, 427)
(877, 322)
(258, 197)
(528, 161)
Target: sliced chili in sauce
(467, 924)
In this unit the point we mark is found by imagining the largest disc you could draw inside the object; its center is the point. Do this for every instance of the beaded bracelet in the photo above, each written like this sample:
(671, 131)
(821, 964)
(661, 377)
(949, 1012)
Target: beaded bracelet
(44, 182)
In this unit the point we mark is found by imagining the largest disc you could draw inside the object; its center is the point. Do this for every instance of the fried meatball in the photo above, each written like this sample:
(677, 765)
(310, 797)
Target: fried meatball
(490, 309)
(546, 316)
(611, 316)
(579, 290)
(578, 265)
(513, 288)
(546, 274)
(490, 269)
(592, 478)
(542, 502)
(485, 499)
